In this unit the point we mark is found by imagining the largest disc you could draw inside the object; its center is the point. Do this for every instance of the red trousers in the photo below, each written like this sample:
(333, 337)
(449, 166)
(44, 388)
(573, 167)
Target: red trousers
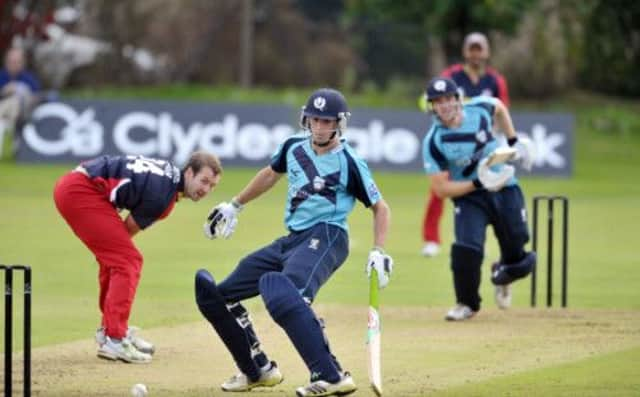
(432, 216)
(91, 216)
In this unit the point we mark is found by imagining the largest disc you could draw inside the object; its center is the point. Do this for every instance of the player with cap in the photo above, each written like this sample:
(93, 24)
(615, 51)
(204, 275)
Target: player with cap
(474, 77)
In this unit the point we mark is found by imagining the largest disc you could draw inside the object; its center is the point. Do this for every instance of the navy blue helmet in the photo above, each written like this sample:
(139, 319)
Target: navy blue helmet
(441, 86)
(326, 103)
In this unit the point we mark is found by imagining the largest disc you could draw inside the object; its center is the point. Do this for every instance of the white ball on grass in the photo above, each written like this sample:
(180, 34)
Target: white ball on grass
(139, 390)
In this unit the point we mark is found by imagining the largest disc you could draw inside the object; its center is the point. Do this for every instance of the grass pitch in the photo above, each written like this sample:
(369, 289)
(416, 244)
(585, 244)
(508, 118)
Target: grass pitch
(592, 348)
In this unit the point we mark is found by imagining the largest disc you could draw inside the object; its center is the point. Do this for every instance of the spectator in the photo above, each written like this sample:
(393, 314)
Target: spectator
(473, 78)
(19, 92)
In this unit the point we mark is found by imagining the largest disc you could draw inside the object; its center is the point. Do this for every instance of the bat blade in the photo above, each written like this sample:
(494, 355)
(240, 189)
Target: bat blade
(502, 155)
(373, 336)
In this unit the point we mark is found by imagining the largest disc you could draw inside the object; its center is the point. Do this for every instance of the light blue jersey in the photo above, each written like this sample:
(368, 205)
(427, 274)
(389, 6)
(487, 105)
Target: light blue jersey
(322, 188)
(458, 150)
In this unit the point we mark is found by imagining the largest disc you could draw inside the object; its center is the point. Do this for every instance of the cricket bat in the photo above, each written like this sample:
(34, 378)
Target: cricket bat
(501, 155)
(373, 336)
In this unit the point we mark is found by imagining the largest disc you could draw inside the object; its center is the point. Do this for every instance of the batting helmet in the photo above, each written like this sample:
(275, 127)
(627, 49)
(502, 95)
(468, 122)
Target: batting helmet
(441, 86)
(326, 103)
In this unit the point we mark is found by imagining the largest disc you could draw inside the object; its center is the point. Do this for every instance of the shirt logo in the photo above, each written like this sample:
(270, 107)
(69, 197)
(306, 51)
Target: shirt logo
(482, 136)
(314, 243)
(318, 183)
(320, 103)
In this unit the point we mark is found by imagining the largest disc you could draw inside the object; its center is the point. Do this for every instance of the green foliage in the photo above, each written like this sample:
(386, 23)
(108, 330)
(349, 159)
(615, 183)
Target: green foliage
(449, 20)
(612, 49)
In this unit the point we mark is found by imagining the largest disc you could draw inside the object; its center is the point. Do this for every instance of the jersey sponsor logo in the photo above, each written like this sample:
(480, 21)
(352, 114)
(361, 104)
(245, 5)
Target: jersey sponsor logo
(373, 191)
(318, 183)
(482, 136)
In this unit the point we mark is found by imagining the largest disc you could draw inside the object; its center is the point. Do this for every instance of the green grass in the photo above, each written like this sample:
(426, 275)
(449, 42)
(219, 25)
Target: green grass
(614, 374)
(604, 264)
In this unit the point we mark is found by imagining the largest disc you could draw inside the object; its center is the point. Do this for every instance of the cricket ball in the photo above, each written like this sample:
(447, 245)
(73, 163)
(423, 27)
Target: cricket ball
(139, 390)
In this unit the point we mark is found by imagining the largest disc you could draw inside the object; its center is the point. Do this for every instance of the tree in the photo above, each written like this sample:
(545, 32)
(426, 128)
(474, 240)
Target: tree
(611, 58)
(394, 22)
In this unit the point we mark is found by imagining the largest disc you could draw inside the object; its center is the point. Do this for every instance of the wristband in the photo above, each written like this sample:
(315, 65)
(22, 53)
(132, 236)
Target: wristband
(378, 248)
(477, 183)
(512, 141)
(236, 204)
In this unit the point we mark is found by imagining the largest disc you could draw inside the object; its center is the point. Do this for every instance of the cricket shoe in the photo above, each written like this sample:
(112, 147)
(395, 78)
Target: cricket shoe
(344, 386)
(122, 350)
(132, 334)
(459, 312)
(270, 376)
(502, 293)
(430, 248)
(503, 296)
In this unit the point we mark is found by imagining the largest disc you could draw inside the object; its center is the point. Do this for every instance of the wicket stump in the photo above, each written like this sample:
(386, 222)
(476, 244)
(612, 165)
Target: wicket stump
(8, 328)
(550, 241)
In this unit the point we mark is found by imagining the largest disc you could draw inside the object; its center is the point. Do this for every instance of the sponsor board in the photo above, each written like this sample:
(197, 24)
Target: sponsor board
(247, 135)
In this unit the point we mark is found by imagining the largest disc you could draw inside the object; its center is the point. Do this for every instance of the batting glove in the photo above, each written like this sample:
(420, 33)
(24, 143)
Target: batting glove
(526, 151)
(222, 220)
(494, 180)
(382, 263)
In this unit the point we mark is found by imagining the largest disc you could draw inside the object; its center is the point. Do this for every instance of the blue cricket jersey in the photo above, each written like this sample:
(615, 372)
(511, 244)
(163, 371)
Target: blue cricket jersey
(322, 188)
(458, 150)
(148, 188)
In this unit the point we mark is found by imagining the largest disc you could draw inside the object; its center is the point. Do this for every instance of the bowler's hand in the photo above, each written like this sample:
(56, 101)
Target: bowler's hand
(383, 264)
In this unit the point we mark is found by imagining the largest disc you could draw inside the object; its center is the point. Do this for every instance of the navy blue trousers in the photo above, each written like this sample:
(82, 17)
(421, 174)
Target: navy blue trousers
(505, 211)
(308, 258)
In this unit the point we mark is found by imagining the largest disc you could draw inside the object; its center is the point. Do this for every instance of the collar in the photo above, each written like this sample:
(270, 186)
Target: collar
(473, 72)
(180, 187)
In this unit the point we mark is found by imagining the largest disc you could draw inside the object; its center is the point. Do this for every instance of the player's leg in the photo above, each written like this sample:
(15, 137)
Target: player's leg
(93, 219)
(315, 255)
(220, 305)
(467, 253)
(511, 229)
(431, 225)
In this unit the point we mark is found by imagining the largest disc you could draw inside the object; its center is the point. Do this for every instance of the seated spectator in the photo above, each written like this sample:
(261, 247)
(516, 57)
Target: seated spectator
(19, 92)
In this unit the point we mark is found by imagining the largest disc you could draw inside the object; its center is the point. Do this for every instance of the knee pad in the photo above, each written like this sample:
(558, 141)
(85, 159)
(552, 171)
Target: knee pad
(207, 293)
(232, 329)
(280, 295)
(505, 273)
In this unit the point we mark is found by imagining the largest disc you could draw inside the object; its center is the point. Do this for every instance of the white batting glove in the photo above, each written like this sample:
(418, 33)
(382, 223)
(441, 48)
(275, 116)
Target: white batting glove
(383, 264)
(526, 152)
(222, 220)
(494, 180)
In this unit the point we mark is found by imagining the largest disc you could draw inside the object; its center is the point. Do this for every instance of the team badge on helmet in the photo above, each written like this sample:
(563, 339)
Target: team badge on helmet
(326, 103)
(319, 103)
(440, 86)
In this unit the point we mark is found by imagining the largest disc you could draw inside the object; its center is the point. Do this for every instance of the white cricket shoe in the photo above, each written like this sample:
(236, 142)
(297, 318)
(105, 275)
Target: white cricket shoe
(132, 334)
(270, 376)
(503, 296)
(122, 350)
(459, 312)
(430, 248)
(344, 386)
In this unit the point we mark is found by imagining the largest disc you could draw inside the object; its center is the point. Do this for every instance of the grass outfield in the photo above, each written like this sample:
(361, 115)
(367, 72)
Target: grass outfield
(604, 276)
